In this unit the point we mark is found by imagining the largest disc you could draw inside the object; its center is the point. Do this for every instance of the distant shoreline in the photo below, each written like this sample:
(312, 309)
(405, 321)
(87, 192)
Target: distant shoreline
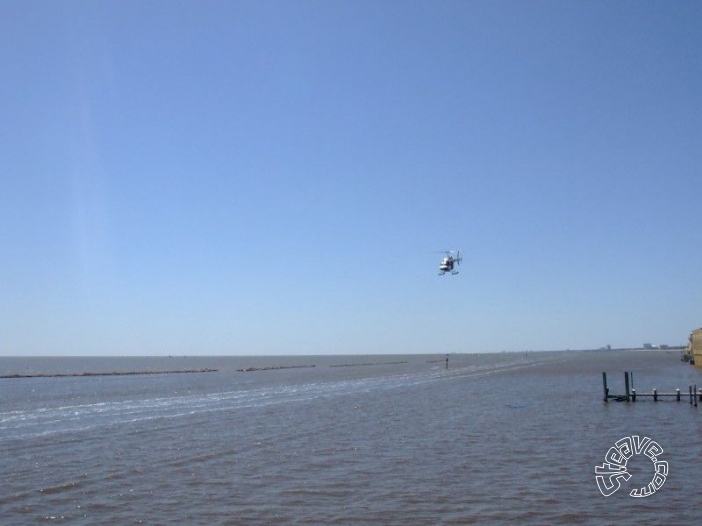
(112, 373)
(341, 356)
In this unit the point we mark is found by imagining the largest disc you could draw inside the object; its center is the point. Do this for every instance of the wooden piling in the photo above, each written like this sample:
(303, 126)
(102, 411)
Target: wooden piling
(677, 393)
(626, 385)
(633, 395)
(655, 395)
(604, 384)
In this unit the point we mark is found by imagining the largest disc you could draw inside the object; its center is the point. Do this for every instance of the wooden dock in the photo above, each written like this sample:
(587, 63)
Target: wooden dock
(630, 394)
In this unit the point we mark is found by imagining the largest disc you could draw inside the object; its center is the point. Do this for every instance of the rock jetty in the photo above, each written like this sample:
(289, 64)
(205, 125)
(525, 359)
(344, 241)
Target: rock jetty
(273, 368)
(112, 373)
(366, 364)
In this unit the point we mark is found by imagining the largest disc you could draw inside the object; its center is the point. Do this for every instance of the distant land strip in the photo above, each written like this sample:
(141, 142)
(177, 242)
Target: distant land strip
(274, 368)
(113, 373)
(366, 364)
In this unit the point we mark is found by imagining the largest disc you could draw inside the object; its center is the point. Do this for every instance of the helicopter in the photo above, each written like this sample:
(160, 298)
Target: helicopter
(448, 262)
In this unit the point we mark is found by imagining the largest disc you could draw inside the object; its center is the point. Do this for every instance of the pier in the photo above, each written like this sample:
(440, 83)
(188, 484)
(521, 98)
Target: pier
(630, 394)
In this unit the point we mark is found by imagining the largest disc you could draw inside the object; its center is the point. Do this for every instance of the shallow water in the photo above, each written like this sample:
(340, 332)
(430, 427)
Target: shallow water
(492, 439)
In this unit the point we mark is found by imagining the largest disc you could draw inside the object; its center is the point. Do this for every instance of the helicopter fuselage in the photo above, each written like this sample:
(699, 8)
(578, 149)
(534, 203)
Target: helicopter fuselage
(448, 263)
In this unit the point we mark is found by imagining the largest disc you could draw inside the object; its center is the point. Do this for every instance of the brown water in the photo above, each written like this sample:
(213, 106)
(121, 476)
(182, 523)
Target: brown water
(492, 439)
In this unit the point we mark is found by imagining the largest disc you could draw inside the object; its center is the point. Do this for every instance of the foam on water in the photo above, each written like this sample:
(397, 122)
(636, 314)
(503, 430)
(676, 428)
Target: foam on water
(43, 421)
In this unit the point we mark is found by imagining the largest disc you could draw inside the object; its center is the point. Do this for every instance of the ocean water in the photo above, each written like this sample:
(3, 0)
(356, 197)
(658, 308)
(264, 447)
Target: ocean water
(492, 439)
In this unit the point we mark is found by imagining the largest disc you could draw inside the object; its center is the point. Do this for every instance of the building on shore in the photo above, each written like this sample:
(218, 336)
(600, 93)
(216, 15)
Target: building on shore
(694, 348)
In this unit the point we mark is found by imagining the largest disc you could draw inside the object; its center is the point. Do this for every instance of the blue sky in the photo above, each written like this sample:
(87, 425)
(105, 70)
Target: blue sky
(227, 177)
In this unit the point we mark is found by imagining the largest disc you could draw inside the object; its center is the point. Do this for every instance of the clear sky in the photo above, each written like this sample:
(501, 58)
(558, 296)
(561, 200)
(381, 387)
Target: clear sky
(257, 177)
